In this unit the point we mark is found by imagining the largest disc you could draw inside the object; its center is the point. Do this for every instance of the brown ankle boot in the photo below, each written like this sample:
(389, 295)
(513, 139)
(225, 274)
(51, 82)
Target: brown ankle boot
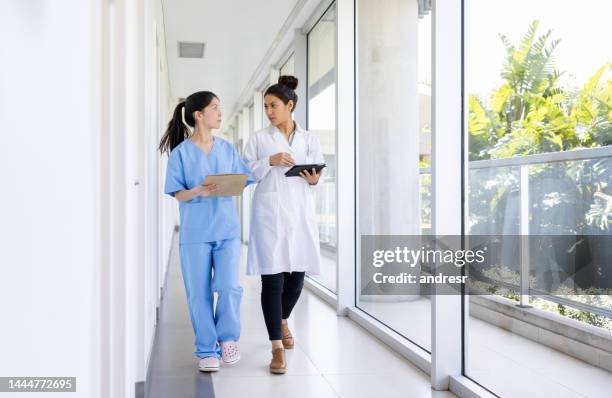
(278, 365)
(287, 337)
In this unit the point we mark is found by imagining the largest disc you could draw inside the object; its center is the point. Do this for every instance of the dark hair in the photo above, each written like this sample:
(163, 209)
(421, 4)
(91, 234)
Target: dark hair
(177, 131)
(284, 90)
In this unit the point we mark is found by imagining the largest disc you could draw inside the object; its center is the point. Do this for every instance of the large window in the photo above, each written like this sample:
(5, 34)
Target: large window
(322, 121)
(393, 151)
(533, 172)
(539, 122)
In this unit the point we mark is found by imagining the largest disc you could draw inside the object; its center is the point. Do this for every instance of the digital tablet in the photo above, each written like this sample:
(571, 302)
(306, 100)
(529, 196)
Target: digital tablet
(295, 170)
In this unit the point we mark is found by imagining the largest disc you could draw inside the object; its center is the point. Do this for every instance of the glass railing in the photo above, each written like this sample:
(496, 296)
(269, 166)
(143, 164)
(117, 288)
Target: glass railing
(563, 202)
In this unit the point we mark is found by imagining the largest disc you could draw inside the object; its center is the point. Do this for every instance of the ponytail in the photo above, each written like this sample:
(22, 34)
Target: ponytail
(176, 131)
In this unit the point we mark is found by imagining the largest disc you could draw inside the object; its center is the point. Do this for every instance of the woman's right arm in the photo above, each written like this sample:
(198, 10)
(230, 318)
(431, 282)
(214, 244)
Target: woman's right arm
(186, 195)
(176, 184)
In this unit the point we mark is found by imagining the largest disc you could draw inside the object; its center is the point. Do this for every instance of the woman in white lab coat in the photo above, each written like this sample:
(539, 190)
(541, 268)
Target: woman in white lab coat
(284, 238)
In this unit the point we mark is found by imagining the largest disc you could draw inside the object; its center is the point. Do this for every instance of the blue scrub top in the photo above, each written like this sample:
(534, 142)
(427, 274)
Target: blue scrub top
(205, 219)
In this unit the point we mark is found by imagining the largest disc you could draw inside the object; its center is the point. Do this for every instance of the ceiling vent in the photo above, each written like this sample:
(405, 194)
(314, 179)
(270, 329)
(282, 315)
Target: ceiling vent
(189, 49)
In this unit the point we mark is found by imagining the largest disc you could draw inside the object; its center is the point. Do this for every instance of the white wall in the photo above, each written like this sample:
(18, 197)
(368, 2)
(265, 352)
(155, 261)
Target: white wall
(168, 206)
(161, 210)
(86, 230)
(49, 207)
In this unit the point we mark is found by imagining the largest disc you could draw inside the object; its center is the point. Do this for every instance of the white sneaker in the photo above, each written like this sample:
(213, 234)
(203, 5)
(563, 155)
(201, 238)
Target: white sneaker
(209, 364)
(230, 353)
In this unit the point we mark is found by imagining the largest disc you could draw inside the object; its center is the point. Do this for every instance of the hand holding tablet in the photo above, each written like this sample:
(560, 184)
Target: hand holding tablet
(298, 168)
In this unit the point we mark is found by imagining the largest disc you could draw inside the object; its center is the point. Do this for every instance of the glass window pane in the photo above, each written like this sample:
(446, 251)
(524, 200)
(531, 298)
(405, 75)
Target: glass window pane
(322, 121)
(536, 86)
(394, 150)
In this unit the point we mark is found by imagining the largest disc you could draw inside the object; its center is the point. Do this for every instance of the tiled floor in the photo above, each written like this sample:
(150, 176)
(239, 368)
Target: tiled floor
(333, 356)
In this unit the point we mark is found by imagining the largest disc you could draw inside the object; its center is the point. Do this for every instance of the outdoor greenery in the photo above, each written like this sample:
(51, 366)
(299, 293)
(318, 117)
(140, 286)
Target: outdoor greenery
(504, 274)
(531, 112)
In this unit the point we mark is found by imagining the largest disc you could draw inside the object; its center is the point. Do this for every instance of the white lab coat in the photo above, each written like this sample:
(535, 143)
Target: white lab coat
(284, 236)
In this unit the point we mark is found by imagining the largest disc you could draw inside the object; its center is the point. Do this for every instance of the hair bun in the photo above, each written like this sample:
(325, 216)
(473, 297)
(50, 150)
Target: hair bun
(289, 81)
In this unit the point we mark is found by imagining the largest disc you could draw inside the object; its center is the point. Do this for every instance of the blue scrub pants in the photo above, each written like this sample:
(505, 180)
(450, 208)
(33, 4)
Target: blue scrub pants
(198, 260)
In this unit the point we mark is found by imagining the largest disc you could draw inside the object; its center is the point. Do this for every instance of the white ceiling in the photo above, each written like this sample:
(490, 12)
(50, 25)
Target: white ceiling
(237, 33)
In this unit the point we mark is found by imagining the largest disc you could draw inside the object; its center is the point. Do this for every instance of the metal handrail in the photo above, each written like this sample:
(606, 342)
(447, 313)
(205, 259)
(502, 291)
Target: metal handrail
(549, 157)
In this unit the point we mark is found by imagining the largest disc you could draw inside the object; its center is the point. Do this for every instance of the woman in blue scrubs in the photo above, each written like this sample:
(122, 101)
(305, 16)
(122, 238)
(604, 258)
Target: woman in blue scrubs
(209, 235)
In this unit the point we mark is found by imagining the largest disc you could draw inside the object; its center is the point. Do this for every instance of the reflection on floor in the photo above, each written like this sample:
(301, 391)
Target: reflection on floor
(506, 363)
(333, 356)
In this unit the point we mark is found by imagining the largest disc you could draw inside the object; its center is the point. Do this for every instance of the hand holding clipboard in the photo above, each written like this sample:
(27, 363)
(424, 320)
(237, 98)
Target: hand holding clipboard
(226, 184)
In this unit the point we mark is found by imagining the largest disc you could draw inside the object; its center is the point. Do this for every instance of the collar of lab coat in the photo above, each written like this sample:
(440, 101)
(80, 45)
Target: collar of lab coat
(279, 137)
(273, 129)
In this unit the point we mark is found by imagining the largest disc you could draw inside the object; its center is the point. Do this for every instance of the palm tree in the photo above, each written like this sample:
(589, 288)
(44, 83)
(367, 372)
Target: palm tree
(529, 70)
(526, 113)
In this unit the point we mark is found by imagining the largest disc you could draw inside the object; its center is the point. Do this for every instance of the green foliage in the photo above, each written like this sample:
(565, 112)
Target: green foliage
(531, 113)
(599, 300)
(592, 109)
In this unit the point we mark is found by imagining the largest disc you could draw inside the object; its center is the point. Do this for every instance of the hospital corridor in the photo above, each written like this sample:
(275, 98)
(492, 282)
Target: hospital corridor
(226, 199)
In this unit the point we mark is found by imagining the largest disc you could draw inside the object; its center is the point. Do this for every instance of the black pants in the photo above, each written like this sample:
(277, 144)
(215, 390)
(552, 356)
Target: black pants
(279, 293)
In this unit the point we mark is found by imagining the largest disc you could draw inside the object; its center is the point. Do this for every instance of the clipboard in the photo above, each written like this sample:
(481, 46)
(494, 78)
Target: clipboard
(295, 170)
(227, 184)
